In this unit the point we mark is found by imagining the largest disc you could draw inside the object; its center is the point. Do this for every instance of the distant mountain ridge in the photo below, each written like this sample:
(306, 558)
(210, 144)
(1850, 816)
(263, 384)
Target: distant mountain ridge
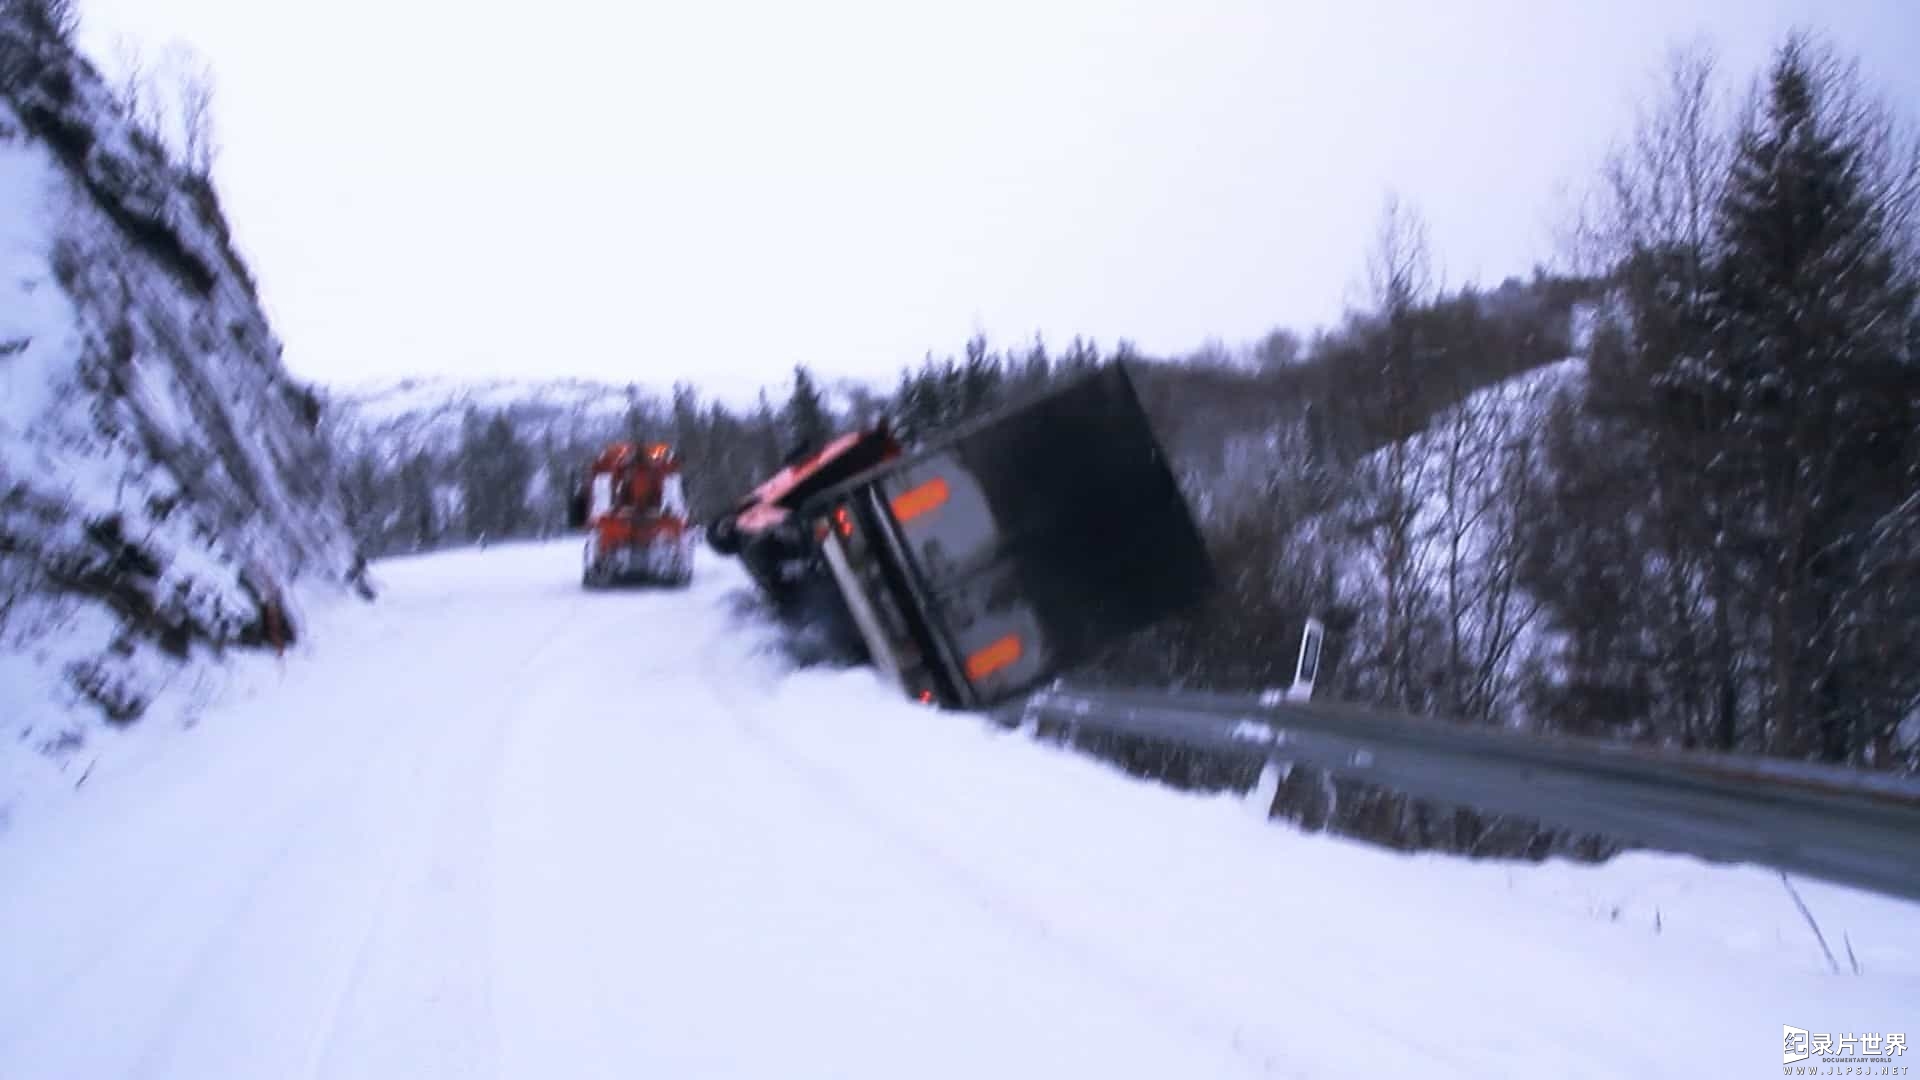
(414, 414)
(425, 413)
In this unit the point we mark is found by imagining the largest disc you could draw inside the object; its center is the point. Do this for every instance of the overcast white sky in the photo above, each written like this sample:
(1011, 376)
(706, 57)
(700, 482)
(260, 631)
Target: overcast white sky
(654, 191)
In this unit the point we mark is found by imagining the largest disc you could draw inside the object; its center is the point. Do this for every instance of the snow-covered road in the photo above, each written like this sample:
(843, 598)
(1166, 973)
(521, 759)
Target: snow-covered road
(496, 826)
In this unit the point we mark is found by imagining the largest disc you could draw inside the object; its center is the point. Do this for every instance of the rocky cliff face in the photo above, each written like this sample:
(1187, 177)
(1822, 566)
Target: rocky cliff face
(162, 480)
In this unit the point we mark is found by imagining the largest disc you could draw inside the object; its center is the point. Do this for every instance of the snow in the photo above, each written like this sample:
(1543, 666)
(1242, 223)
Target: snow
(1254, 731)
(496, 825)
(36, 319)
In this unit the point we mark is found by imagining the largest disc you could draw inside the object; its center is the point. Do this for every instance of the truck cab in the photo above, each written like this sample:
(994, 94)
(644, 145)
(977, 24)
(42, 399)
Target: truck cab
(632, 503)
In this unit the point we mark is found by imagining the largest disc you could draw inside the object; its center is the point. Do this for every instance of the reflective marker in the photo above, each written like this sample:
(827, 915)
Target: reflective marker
(993, 658)
(912, 503)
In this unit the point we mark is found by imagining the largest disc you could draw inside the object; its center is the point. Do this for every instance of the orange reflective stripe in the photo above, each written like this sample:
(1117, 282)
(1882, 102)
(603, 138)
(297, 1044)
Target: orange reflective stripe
(911, 504)
(994, 657)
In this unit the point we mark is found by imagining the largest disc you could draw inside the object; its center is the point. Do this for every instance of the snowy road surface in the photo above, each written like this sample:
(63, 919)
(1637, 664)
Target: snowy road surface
(495, 826)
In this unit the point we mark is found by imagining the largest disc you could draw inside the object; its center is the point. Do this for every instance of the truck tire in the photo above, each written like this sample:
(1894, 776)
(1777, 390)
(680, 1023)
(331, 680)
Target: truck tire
(723, 535)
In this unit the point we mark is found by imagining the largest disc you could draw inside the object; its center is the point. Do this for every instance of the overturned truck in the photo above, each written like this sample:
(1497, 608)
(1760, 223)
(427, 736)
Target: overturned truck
(988, 561)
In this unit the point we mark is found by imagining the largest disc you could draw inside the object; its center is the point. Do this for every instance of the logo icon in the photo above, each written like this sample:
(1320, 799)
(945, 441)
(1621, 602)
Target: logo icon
(1796, 1045)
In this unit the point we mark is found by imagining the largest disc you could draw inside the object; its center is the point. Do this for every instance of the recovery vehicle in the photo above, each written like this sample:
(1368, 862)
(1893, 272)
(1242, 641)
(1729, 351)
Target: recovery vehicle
(989, 560)
(632, 502)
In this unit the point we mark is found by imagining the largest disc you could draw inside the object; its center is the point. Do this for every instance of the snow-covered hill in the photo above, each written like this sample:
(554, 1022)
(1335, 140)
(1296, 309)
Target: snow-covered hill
(1460, 490)
(161, 477)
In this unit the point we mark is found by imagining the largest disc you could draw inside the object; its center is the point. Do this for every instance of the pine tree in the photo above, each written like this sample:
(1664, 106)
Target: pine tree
(418, 504)
(685, 418)
(950, 392)
(473, 475)
(635, 427)
(512, 473)
(1037, 370)
(495, 470)
(979, 379)
(766, 436)
(1082, 356)
(805, 416)
(933, 397)
(1811, 384)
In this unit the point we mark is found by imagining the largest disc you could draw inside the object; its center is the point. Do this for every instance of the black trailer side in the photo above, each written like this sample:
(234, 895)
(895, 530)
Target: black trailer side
(1014, 548)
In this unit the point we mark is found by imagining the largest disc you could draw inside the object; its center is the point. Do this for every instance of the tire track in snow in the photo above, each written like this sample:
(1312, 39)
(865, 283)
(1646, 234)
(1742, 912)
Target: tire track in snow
(271, 835)
(302, 819)
(547, 945)
(412, 846)
(282, 826)
(285, 843)
(310, 788)
(400, 753)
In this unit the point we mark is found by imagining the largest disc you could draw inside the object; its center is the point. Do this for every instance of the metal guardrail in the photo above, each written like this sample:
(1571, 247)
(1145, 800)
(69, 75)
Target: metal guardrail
(1851, 828)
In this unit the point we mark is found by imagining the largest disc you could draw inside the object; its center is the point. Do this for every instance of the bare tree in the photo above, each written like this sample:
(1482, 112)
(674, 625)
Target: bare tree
(1395, 479)
(1651, 225)
(192, 85)
(171, 100)
(133, 84)
(1658, 189)
(1487, 492)
(1400, 264)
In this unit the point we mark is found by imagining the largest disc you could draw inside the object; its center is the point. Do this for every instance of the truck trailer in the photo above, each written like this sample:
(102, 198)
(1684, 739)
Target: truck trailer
(990, 560)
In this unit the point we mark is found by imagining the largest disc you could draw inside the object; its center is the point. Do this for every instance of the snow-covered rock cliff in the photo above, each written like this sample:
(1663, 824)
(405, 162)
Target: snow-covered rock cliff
(161, 476)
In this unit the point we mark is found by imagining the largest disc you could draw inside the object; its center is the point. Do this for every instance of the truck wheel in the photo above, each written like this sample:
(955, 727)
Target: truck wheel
(723, 536)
